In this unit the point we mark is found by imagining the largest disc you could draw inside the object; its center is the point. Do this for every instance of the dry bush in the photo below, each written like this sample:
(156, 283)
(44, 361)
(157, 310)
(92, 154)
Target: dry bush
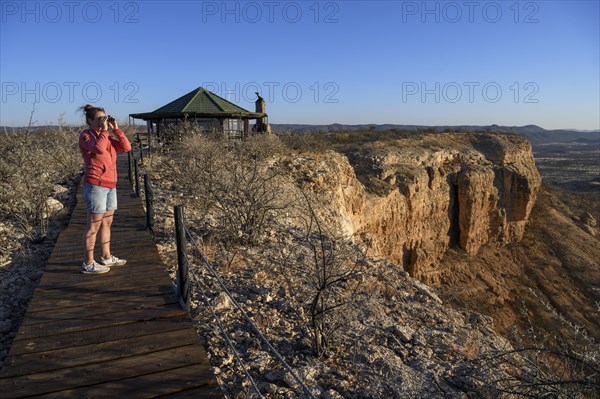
(31, 164)
(324, 269)
(234, 182)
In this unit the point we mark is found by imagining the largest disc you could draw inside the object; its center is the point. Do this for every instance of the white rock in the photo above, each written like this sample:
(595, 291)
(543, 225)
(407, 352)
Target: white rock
(221, 302)
(53, 206)
(60, 193)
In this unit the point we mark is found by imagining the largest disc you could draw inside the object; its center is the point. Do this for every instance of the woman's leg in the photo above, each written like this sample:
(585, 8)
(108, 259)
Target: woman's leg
(94, 221)
(105, 233)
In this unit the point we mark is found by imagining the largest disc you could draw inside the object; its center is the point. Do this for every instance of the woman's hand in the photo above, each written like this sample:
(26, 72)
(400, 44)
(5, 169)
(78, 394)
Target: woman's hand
(102, 123)
(112, 123)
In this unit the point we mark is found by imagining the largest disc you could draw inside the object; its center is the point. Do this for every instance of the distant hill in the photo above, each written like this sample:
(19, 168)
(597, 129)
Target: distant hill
(535, 134)
(586, 140)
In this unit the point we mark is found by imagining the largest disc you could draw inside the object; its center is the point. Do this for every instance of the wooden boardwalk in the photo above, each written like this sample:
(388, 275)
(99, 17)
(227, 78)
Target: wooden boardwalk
(116, 335)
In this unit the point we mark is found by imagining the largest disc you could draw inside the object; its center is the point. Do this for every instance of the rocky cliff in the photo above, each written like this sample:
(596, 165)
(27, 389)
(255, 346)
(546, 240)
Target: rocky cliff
(413, 198)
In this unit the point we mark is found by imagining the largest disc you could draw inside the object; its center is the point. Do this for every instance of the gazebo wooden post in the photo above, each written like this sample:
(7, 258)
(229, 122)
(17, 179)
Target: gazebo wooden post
(246, 128)
(158, 128)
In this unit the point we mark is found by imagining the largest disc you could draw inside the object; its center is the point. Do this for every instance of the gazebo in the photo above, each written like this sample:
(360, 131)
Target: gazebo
(209, 111)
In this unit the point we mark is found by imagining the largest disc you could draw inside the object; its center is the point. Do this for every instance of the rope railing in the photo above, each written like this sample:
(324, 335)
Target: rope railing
(264, 339)
(230, 344)
(163, 209)
(167, 210)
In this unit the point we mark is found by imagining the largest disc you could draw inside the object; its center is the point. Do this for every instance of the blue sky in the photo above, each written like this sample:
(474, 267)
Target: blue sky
(351, 62)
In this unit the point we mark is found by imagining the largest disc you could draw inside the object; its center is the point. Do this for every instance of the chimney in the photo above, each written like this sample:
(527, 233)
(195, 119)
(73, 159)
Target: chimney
(262, 126)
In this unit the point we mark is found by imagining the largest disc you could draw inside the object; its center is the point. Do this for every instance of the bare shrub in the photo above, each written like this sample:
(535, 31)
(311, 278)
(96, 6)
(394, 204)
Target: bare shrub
(232, 181)
(31, 164)
(541, 372)
(325, 268)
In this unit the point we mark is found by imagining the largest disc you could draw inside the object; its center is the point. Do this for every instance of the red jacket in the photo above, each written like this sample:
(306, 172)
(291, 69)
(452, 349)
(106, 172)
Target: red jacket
(99, 153)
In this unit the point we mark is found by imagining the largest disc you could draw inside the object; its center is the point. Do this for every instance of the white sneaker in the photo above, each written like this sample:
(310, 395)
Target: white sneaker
(94, 268)
(112, 261)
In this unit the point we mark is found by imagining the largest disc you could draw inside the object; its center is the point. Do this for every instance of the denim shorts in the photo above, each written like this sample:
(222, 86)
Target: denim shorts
(99, 199)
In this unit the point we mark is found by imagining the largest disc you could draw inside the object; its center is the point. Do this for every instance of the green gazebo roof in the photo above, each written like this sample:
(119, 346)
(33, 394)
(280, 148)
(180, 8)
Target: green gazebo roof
(201, 103)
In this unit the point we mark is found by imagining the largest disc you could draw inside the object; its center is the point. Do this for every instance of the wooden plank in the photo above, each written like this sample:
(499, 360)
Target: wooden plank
(98, 335)
(182, 382)
(101, 372)
(76, 356)
(103, 297)
(204, 392)
(66, 305)
(31, 331)
(103, 283)
(145, 287)
(84, 310)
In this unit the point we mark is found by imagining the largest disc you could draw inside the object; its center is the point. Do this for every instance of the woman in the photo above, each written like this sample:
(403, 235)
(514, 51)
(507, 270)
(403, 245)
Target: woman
(99, 150)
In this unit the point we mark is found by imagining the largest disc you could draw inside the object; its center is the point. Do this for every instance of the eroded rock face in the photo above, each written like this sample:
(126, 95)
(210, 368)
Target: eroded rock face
(412, 199)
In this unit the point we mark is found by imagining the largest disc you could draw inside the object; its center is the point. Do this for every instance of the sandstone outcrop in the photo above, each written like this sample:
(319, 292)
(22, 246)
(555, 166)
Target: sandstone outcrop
(412, 199)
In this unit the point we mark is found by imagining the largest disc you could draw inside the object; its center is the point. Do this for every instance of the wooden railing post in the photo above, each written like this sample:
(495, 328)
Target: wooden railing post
(137, 178)
(149, 194)
(130, 165)
(141, 153)
(181, 287)
(140, 146)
